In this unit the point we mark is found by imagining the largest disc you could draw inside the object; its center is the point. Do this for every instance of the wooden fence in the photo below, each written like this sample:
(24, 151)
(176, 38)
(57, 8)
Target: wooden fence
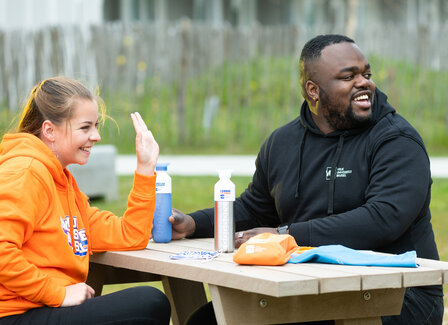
(120, 56)
(134, 60)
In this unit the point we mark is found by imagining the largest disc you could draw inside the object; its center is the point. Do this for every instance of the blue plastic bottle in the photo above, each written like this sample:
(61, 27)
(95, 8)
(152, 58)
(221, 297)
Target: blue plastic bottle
(162, 231)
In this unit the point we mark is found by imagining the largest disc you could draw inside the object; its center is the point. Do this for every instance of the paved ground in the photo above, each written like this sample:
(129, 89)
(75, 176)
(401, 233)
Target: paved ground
(193, 165)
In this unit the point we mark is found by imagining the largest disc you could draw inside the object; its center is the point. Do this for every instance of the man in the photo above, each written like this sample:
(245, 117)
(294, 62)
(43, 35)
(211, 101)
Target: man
(349, 170)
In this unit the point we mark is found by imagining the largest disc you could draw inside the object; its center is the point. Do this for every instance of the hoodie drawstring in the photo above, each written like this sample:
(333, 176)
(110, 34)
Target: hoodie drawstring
(301, 146)
(71, 223)
(334, 163)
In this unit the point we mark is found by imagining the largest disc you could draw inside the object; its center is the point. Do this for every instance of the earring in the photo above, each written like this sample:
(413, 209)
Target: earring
(53, 151)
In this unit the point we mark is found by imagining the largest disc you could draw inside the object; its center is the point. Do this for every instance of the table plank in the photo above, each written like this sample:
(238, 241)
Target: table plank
(272, 282)
(442, 265)
(333, 281)
(430, 272)
(296, 279)
(375, 277)
(335, 278)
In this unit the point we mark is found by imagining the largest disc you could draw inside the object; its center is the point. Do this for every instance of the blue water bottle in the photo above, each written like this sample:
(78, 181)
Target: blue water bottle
(162, 231)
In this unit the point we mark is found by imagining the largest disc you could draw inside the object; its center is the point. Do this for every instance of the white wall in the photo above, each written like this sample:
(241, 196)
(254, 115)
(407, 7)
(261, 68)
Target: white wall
(34, 14)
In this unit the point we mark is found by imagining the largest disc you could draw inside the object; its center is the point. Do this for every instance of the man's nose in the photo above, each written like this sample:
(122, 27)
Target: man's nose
(362, 81)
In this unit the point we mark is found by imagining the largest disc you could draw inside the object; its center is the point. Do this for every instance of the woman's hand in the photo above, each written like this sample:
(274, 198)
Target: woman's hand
(146, 147)
(76, 294)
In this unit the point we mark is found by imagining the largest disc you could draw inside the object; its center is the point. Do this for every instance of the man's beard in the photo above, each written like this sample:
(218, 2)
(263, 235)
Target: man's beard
(339, 120)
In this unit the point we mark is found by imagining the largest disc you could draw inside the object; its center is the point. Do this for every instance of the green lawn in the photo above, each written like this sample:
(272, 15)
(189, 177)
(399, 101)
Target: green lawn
(193, 193)
(439, 210)
(190, 193)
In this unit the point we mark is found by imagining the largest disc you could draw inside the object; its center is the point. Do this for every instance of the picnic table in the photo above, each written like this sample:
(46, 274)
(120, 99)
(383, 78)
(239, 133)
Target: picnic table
(244, 294)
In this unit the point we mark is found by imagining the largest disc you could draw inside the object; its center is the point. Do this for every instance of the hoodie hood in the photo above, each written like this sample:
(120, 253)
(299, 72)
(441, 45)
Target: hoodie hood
(380, 109)
(28, 145)
(22, 144)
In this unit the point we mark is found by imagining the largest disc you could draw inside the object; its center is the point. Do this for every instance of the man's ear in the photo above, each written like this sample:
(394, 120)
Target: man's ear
(48, 130)
(312, 90)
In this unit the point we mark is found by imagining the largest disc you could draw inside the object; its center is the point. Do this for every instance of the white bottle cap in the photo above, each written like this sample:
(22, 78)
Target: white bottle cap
(225, 173)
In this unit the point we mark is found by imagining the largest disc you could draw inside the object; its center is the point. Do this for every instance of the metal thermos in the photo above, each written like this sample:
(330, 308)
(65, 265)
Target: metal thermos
(224, 227)
(224, 219)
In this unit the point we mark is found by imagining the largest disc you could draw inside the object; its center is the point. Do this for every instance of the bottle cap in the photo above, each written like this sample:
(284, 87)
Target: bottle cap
(224, 173)
(162, 166)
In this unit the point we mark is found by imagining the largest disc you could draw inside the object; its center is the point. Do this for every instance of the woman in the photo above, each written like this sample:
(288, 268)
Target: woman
(47, 227)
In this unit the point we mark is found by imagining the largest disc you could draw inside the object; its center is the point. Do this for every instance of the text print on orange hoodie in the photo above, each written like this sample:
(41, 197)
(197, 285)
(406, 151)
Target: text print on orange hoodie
(48, 229)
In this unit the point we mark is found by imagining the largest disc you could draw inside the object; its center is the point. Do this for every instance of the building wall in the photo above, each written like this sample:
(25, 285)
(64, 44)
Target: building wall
(32, 14)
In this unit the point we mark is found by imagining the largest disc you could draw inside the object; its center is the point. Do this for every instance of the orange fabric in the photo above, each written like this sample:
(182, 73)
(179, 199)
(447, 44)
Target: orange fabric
(302, 249)
(267, 249)
(48, 229)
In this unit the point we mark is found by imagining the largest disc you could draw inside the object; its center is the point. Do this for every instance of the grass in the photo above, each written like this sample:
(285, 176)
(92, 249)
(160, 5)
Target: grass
(255, 97)
(193, 193)
(190, 193)
(439, 210)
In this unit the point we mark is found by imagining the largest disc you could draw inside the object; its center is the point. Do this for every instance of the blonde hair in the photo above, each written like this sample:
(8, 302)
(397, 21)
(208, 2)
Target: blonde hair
(53, 99)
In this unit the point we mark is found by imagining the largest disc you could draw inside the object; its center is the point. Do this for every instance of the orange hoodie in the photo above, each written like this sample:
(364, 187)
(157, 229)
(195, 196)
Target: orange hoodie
(48, 229)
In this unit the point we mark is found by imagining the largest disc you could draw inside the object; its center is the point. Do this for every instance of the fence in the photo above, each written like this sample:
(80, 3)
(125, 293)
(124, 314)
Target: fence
(182, 73)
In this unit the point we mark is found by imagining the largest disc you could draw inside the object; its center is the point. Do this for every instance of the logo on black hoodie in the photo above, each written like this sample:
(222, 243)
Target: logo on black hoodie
(340, 172)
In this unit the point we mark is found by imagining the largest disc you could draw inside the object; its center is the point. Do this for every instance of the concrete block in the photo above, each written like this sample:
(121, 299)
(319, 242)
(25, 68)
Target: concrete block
(98, 178)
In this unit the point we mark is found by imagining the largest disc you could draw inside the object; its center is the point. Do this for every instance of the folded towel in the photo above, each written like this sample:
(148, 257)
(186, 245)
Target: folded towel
(338, 254)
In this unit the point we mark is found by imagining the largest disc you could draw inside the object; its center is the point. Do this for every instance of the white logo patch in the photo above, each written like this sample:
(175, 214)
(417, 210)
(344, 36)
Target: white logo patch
(340, 172)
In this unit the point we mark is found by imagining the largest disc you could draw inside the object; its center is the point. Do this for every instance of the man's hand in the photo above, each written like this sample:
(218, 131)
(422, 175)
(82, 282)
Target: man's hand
(183, 224)
(243, 236)
(76, 294)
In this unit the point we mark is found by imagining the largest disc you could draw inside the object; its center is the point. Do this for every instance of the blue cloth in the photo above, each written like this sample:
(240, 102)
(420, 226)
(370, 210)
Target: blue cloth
(338, 254)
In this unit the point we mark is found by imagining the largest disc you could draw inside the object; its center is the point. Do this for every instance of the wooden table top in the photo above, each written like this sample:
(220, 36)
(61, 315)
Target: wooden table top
(276, 281)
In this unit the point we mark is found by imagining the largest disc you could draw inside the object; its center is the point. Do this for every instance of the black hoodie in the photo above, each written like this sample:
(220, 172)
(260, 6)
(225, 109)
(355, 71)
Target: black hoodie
(378, 199)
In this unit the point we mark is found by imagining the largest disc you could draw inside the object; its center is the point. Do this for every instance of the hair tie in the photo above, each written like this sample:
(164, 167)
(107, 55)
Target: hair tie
(27, 107)
(39, 87)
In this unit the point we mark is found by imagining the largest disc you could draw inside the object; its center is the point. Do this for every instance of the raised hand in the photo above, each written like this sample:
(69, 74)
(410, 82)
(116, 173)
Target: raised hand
(76, 294)
(146, 147)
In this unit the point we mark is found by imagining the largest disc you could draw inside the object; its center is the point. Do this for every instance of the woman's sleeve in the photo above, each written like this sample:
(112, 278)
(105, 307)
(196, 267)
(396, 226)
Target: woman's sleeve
(132, 231)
